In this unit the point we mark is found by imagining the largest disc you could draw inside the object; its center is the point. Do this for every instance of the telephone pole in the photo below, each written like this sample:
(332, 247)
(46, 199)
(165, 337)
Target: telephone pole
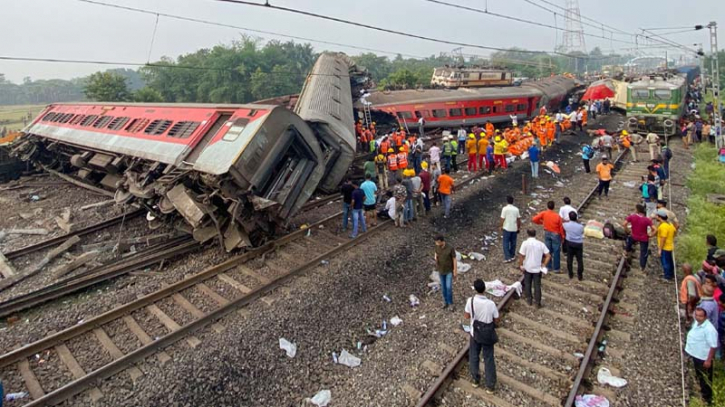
(715, 78)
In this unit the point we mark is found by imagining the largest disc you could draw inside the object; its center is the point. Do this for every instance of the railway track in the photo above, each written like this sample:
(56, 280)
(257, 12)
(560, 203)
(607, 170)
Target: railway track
(545, 357)
(179, 309)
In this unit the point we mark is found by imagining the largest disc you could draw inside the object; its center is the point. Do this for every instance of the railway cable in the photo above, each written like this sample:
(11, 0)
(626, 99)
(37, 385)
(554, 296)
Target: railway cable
(267, 5)
(521, 20)
(237, 27)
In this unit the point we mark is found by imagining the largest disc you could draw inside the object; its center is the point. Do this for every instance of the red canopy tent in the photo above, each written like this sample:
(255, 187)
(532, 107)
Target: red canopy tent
(601, 89)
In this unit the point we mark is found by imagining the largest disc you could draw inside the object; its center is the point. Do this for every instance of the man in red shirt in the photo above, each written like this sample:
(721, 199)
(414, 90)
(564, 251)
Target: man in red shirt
(642, 228)
(553, 232)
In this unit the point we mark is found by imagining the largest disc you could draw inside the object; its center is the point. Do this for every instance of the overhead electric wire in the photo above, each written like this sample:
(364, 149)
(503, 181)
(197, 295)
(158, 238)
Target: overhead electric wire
(521, 20)
(252, 30)
(267, 5)
(668, 41)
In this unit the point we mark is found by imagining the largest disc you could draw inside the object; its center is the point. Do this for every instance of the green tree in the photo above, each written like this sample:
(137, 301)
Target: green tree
(107, 87)
(147, 95)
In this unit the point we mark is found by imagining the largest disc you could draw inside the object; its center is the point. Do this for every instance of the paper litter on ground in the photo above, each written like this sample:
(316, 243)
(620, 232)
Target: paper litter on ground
(591, 400)
(499, 289)
(395, 321)
(604, 376)
(464, 268)
(347, 359)
(288, 347)
(476, 256)
(322, 398)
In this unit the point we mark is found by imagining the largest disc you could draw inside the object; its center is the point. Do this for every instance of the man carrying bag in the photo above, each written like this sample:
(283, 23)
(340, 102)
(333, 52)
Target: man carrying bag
(484, 317)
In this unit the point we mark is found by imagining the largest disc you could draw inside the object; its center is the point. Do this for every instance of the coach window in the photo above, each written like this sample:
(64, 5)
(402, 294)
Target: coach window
(455, 112)
(470, 111)
(521, 107)
(236, 129)
(662, 94)
(510, 108)
(439, 112)
(495, 109)
(484, 110)
(640, 94)
(405, 115)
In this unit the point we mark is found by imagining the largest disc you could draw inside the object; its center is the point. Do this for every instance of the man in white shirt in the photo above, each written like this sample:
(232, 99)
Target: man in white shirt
(514, 120)
(564, 211)
(435, 156)
(510, 225)
(532, 255)
(580, 119)
(480, 308)
(702, 342)
(559, 117)
(421, 126)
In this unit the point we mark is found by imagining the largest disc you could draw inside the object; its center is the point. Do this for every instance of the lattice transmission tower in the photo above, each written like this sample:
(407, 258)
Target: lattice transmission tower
(574, 34)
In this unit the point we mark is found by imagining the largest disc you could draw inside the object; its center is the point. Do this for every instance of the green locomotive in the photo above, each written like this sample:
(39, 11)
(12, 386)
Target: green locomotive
(655, 103)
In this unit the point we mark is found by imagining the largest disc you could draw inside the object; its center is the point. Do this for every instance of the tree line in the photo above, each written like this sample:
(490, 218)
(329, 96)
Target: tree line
(247, 70)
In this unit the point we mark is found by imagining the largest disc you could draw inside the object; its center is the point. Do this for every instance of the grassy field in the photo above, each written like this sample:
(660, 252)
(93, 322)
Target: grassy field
(704, 218)
(12, 117)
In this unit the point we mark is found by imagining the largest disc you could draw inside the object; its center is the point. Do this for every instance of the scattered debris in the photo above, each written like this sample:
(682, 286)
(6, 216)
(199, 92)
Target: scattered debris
(499, 289)
(476, 256)
(604, 376)
(464, 267)
(288, 347)
(98, 204)
(591, 400)
(6, 268)
(321, 399)
(386, 298)
(630, 184)
(26, 232)
(348, 360)
(76, 263)
(16, 396)
(414, 301)
(8, 282)
(395, 321)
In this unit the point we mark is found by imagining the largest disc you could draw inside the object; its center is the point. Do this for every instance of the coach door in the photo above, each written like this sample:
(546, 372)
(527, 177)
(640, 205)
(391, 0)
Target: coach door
(219, 119)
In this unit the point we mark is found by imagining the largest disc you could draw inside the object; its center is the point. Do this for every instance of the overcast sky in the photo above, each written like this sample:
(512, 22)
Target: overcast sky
(71, 29)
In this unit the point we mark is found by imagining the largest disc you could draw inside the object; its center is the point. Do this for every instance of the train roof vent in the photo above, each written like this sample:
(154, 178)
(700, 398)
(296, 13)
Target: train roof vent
(89, 119)
(48, 117)
(118, 123)
(158, 127)
(102, 122)
(183, 129)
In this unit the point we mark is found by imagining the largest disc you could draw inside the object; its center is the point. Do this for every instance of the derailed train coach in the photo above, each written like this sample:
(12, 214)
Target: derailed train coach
(232, 172)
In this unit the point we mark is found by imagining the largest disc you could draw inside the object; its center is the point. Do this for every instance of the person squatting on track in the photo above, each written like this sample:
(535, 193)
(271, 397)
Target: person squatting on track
(484, 316)
(553, 233)
(447, 266)
(531, 264)
(510, 226)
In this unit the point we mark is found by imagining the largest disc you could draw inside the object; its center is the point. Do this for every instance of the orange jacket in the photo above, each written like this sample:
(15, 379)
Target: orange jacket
(551, 220)
(393, 162)
(683, 288)
(402, 160)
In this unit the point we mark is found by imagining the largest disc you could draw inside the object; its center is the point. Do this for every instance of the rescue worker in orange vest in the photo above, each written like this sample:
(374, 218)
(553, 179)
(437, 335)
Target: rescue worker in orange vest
(482, 145)
(405, 148)
(368, 135)
(384, 145)
(392, 161)
(489, 129)
(584, 117)
(403, 135)
(626, 141)
(471, 147)
(550, 132)
(372, 129)
(402, 161)
(411, 140)
(397, 140)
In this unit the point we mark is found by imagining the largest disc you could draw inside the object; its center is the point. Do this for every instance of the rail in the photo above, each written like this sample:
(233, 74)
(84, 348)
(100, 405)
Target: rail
(81, 232)
(445, 376)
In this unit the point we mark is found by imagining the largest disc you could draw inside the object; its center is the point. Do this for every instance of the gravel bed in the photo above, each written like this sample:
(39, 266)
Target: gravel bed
(124, 339)
(244, 279)
(175, 311)
(89, 352)
(52, 373)
(654, 381)
(150, 324)
(253, 371)
(12, 382)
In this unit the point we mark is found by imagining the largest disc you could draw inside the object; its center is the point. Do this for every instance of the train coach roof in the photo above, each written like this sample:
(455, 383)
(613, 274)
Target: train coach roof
(210, 106)
(413, 96)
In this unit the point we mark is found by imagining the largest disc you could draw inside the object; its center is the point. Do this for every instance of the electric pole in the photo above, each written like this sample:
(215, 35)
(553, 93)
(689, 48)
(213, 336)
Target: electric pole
(715, 78)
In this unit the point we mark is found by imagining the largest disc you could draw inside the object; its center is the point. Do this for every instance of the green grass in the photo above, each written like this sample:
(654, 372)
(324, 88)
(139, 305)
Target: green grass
(11, 117)
(704, 218)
